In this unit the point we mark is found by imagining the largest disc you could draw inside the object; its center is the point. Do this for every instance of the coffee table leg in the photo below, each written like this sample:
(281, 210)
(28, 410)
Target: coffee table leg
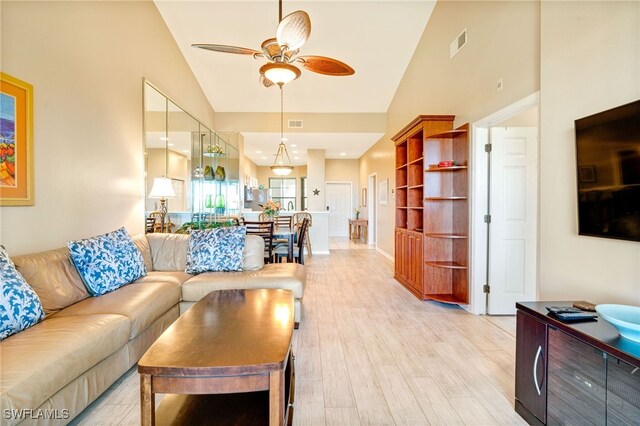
(276, 398)
(147, 401)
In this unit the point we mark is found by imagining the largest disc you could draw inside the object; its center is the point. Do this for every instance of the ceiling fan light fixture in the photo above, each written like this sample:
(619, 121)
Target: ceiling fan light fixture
(280, 73)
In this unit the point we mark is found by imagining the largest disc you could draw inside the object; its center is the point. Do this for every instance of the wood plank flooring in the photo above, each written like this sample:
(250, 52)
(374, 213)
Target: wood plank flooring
(368, 352)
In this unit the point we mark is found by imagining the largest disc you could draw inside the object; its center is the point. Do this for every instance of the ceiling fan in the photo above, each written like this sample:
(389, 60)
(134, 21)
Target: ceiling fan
(282, 52)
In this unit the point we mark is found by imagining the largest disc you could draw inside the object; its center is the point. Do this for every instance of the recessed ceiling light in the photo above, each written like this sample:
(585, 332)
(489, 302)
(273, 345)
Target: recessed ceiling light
(293, 145)
(185, 150)
(285, 140)
(169, 144)
(264, 158)
(342, 154)
(258, 152)
(295, 152)
(163, 138)
(296, 158)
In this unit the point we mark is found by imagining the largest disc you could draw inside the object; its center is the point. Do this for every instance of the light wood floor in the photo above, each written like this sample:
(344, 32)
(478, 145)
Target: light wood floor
(367, 352)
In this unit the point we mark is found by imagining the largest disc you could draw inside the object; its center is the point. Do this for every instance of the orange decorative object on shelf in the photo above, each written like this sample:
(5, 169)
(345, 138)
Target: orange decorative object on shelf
(447, 163)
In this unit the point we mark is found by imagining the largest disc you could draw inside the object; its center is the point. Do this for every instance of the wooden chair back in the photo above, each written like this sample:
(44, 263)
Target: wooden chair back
(264, 230)
(302, 235)
(298, 218)
(283, 221)
(149, 225)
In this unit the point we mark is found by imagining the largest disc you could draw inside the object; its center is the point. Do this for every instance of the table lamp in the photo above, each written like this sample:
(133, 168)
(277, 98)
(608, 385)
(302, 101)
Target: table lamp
(162, 189)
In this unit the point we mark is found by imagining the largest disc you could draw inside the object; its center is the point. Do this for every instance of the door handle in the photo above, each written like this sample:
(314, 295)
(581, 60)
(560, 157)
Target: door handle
(535, 371)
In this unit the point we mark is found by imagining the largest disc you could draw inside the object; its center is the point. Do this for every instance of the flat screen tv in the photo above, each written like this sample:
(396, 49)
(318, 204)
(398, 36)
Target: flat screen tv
(608, 160)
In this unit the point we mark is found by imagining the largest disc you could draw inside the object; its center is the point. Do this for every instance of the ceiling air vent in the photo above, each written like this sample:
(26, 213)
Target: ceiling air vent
(458, 43)
(295, 124)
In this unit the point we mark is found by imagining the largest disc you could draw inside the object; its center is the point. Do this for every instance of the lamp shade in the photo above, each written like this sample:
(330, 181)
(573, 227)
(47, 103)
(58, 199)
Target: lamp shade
(280, 73)
(162, 188)
(282, 170)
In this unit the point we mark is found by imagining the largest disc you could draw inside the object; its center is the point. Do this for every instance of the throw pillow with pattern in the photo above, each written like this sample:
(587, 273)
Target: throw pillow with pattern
(107, 262)
(216, 250)
(20, 307)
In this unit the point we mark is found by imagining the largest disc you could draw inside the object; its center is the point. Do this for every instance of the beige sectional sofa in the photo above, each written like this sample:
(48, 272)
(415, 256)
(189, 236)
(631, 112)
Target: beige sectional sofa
(59, 366)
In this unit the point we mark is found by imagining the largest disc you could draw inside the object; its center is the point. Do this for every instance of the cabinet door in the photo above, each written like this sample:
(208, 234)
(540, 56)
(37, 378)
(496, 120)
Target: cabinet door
(398, 254)
(623, 393)
(531, 361)
(577, 382)
(416, 263)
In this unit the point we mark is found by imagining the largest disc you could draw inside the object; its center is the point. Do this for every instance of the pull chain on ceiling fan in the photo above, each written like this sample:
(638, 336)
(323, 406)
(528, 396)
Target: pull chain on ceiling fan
(292, 33)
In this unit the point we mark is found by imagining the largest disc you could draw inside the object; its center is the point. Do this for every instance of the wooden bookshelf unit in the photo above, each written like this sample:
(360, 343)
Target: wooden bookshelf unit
(432, 209)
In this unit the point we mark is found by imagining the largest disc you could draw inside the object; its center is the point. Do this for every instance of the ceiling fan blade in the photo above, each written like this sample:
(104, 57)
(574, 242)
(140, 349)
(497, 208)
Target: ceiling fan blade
(265, 81)
(326, 66)
(228, 49)
(294, 30)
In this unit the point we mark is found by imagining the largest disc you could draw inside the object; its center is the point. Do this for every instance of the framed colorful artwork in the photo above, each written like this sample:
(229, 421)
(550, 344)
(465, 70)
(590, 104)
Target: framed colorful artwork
(16, 142)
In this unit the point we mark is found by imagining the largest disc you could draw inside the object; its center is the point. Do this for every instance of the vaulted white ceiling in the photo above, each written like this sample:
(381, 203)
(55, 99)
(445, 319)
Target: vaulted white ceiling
(377, 38)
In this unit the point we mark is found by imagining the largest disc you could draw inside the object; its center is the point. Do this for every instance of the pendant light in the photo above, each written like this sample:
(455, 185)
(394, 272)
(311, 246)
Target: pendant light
(280, 166)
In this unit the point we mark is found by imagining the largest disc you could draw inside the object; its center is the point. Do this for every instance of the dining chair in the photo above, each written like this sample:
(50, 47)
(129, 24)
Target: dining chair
(264, 230)
(283, 221)
(297, 220)
(282, 250)
(149, 225)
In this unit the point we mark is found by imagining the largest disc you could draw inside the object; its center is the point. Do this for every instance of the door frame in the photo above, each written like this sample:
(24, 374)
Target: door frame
(372, 212)
(480, 193)
(329, 182)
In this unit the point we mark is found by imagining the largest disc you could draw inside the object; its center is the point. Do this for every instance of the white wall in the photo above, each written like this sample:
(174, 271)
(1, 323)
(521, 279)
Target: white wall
(86, 62)
(590, 56)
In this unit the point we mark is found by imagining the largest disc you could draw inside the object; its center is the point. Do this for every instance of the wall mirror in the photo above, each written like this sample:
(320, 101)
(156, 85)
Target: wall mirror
(200, 166)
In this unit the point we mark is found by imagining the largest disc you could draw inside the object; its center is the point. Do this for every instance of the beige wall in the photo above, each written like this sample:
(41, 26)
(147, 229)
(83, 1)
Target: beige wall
(86, 61)
(503, 42)
(596, 66)
(344, 171)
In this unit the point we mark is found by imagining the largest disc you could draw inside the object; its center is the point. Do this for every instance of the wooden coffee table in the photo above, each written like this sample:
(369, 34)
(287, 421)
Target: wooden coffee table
(217, 357)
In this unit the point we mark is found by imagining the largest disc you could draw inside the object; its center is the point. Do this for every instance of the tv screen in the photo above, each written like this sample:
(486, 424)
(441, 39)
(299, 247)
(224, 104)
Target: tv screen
(608, 160)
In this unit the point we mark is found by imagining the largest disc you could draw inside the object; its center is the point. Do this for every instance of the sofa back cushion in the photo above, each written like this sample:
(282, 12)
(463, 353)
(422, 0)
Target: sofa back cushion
(253, 253)
(53, 277)
(145, 250)
(169, 252)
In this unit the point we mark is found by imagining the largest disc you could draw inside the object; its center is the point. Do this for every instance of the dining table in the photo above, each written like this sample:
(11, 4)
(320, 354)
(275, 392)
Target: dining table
(289, 233)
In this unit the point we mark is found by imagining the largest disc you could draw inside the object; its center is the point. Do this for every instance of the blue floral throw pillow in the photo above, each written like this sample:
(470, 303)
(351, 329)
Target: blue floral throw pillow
(216, 250)
(20, 307)
(107, 262)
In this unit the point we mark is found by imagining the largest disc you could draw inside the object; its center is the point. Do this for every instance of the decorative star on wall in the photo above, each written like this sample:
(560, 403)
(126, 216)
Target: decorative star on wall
(316, 191)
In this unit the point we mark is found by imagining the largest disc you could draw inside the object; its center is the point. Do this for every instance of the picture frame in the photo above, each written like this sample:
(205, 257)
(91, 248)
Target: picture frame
(383, 190)
(363, 201)
(16, 142)
(587, 173)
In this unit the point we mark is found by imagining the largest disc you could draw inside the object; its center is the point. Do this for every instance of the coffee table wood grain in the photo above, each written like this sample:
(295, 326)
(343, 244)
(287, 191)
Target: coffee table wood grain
(231, 341)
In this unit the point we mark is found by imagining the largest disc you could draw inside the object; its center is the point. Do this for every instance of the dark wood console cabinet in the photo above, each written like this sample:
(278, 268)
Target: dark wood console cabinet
(574, 373)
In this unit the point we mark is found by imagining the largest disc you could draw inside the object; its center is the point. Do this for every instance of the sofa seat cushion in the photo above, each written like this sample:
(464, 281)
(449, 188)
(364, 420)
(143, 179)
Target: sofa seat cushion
(141, 303)
(40, 361)
(199, 286)
(53, 277)
(287, 276)
(174, 277)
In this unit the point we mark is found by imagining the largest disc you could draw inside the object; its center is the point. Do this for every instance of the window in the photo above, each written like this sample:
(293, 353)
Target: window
(303, 194)
(283, 190)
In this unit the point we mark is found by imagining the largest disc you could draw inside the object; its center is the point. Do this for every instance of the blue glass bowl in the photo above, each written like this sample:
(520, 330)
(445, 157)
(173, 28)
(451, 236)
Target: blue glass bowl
(625, 318)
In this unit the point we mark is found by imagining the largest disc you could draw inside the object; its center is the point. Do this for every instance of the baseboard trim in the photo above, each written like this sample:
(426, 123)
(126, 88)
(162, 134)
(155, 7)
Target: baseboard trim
(385, 254)
(320, 252)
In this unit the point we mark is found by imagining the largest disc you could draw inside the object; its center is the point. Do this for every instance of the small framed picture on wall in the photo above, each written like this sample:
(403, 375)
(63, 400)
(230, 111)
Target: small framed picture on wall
(383, 190)
(363, 201)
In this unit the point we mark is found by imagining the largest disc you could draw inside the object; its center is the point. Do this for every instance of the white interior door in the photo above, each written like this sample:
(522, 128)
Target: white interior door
(339, 205)
(371, 202)
(514, 203)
